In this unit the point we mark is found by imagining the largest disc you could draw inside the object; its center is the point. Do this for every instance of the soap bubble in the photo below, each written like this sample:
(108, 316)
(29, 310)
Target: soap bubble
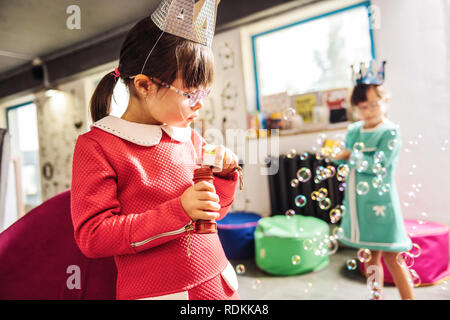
(392, 144)
(393, 132)
(320, 248)
(256, 284)
(315, 195)
(338, 147)
(304, 175)
(332, 245)
(375, 295)
(358, 147)
(382, 173)
(320, 155)
(317, 180)
(289, 113)
(405, 259)
(362, 165)
(342, 186)
(319, 172)
(425, 216)
(377, 182)
(362, 188)
(415, 280)
(338, 233)
(335, 215)
(351, 264)
(376, 168)
(331, 171)
(364, 255)
(291, 154)
(354, 158)
(321, 139)
(444, 145)
(289, 213)
(300, 201)
(325, 204)
(327, 151)
(323, 192)
(294, 183)
(240, 269)
(296, 259)
(342, 172)
(304, 156)
(378, 157)
(385, 187)
(415, 250)
(308, 244)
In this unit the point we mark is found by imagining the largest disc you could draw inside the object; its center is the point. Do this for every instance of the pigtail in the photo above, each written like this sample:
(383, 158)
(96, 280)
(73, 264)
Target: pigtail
(100, 103)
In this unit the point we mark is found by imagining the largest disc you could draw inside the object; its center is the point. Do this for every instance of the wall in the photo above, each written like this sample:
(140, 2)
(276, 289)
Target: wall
(414, 37)
(61, 118)
(62, 115)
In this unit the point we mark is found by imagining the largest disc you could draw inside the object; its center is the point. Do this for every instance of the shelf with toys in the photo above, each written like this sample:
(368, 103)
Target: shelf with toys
(303, 113)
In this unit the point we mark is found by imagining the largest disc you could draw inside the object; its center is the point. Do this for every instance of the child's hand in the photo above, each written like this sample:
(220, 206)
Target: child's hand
(225, 158)
(343, 155)
(200, 200)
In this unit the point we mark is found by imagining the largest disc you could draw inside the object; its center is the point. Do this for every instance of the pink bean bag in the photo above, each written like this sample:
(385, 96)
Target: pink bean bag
(38, 253)
(432, 265)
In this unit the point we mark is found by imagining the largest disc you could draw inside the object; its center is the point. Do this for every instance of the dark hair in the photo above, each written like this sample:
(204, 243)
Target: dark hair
(359, 93)
(173, 56)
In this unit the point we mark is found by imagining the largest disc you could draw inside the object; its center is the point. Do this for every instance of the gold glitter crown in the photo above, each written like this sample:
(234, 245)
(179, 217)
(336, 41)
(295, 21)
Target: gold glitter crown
(194, 20)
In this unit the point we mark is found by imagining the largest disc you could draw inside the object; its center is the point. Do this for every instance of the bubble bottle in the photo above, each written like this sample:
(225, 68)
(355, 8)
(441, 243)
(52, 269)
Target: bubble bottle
(205, 173)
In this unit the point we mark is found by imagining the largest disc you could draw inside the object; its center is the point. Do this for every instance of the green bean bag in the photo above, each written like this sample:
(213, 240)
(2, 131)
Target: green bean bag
(280, 247)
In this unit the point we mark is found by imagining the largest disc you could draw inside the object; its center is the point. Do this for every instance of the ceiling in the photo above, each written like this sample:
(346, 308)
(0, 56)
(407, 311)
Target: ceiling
(38, 27)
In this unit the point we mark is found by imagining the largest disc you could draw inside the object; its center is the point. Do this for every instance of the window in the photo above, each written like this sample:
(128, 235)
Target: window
(22, 126)
(313, 54)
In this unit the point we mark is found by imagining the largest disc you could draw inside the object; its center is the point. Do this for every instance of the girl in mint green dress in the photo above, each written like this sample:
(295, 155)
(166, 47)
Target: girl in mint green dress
(373, 218)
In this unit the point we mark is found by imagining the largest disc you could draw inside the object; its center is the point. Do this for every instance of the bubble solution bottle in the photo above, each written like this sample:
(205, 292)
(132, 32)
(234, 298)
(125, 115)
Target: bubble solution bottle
(209, 164)
(205, 173)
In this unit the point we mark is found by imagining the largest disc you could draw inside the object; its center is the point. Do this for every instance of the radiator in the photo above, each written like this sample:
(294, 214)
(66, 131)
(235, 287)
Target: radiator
(282, 194)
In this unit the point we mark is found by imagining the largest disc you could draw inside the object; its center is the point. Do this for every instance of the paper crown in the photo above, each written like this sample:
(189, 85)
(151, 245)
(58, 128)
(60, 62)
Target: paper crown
(194, 20)
(370, 74)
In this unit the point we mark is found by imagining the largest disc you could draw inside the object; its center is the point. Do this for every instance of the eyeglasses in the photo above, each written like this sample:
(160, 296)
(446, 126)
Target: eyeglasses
(194, 97)
(369, 106)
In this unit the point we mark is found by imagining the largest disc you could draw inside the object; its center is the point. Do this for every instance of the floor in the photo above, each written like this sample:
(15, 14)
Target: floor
(334, 282)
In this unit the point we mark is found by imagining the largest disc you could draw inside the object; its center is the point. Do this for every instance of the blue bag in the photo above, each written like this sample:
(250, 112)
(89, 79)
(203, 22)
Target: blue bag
(236, 233)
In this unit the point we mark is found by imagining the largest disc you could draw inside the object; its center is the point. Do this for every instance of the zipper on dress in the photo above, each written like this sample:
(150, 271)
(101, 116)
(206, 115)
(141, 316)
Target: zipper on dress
(186, 228)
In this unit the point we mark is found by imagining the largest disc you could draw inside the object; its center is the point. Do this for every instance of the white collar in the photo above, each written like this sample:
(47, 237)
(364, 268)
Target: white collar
(374, 128)
(146, 135)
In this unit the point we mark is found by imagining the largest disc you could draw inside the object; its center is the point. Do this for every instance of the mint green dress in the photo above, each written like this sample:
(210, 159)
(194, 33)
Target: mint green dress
(372, 217)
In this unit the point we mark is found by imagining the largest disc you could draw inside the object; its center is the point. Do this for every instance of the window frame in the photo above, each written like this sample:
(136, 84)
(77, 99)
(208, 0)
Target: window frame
(366, 4)
(30, 102)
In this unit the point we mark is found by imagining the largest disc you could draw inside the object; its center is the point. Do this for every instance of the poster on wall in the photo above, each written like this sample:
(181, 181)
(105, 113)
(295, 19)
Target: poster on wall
(304, 105)
(336, 101)
(275, 103)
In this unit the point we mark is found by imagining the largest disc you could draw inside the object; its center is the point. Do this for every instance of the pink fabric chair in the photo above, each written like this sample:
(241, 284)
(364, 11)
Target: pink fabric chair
(37, 251)
(432, 265)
